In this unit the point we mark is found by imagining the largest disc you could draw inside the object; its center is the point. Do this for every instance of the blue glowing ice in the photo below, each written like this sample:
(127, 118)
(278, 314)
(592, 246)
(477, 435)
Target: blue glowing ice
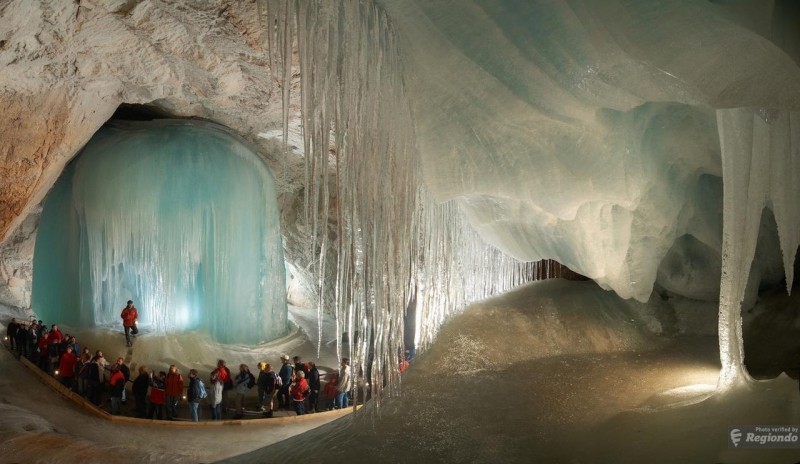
(179, 217)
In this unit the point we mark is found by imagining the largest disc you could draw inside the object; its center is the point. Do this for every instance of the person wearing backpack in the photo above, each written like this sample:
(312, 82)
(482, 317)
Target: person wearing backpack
(244, 381)
(196, 392)
(262, 383)
(285, 375)
(225, 378)
(271, 384)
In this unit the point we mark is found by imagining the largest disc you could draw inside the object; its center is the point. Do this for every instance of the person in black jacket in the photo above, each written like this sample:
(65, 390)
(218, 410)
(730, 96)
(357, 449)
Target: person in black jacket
(194, 394)
(11, 333)
(314, 386)
(140, 386)
(22, 339)
(125, 372)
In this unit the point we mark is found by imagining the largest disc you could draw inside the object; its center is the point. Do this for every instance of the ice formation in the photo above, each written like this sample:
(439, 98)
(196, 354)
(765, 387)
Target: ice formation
(179, 217)
(588, 132)
(395, 244)
(761, 167)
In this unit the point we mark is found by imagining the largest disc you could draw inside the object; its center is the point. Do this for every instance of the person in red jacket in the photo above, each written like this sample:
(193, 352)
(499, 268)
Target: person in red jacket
(66, 367)
(54, 338)
(174, 391)
(298, 391)
(43, 360)
(157, 396)
(330, 391)
(116, 385)
(55, 335)
(224, 377)
(129, 316)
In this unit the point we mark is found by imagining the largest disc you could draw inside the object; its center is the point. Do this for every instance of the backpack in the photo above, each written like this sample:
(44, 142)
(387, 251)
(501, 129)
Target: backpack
(252, 382)
(278, 381)
(93, 371)
(228, 384)
(201, 390)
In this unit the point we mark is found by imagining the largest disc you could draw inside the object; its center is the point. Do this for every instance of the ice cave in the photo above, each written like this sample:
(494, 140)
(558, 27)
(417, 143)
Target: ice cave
(578, 216)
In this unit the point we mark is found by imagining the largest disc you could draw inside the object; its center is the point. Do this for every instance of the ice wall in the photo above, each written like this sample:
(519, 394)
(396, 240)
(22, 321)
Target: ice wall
(181, 218)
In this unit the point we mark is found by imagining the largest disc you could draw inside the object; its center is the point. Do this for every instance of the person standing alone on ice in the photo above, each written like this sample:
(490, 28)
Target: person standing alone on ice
(129, 315)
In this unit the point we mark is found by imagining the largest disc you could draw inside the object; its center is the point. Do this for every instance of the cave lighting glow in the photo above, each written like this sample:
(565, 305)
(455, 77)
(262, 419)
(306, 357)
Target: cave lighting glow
(180, 217)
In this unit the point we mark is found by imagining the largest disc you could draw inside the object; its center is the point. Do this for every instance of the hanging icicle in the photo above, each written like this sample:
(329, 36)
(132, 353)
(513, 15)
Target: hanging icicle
(370, 218)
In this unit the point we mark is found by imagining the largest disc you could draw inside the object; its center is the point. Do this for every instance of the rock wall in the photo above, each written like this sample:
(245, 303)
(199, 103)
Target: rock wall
(67, 67)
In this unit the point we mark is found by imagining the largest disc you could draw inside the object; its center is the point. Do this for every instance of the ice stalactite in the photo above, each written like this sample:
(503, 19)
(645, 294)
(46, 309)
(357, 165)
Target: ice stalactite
(356, 125)
(393, 243)
(455, 267)
(761, 168)
(181, 218)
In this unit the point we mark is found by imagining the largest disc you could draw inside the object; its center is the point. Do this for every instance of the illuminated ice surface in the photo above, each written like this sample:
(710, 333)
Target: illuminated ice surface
(181, 218)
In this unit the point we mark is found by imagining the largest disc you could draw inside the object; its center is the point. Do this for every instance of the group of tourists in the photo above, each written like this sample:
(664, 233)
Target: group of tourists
(296, 386)
(157, 394)
(60, 355)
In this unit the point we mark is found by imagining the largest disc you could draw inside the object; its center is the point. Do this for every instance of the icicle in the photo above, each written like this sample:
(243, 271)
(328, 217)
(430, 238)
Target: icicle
(394, 244)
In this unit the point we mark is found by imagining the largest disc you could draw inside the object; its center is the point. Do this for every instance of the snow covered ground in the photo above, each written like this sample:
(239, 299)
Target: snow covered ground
(552, 372)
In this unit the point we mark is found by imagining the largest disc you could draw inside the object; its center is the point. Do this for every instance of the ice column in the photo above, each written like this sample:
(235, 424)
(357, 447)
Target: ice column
(179, 217)
(761, 168)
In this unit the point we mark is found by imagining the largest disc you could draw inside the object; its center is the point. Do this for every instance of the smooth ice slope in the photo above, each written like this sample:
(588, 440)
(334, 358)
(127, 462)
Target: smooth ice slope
(179, 217)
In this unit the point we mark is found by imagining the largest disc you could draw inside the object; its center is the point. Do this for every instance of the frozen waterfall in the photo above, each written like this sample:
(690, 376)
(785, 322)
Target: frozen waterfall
(181, 218)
